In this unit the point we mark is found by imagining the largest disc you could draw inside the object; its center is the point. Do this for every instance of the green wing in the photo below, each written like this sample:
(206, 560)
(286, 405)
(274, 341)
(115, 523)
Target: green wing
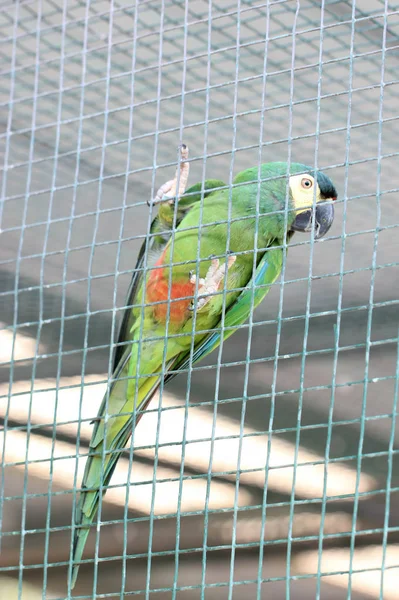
(267, 271)
(161, 230)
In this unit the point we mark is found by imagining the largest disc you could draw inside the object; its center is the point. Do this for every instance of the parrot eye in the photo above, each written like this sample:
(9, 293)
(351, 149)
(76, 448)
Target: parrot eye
(306, 183)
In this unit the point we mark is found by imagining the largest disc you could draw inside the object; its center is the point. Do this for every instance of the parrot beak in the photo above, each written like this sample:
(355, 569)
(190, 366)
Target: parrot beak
(323, 218)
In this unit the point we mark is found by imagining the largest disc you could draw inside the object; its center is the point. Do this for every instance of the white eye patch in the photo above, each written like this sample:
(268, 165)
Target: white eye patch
(303, 195)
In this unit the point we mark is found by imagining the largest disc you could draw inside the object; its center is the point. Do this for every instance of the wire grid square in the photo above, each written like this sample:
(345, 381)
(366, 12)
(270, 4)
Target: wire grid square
(95, 98)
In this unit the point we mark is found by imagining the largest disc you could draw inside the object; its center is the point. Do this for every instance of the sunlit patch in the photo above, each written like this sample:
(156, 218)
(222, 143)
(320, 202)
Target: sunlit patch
(198, 428)
(364, 564)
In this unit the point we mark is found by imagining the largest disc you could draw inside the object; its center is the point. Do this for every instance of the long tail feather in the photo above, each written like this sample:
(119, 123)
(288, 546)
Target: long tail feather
(115, 433)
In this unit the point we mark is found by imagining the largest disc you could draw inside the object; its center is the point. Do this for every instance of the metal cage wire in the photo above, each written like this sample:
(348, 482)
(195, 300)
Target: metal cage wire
(268, 469)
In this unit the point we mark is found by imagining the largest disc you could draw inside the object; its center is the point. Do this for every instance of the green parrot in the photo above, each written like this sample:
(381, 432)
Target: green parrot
(198, 274)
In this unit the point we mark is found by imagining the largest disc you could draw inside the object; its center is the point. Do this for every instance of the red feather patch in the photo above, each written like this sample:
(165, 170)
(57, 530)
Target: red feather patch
(158, 290)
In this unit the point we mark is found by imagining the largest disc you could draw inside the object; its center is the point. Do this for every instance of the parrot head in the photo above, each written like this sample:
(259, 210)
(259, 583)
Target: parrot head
(312, 195)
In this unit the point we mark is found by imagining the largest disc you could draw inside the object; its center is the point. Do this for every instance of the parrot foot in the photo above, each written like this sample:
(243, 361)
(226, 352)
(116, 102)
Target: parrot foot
(170, 190)
(210, 284)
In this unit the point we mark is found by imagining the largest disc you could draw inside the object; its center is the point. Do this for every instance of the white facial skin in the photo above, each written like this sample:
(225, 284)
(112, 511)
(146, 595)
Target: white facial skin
(303, 191)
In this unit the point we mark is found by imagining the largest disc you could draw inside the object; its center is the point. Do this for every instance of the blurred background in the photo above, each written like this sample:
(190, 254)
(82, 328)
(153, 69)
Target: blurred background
(294, 493)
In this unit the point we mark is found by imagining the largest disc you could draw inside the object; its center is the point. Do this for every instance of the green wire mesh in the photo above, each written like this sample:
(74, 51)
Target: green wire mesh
(269, 470)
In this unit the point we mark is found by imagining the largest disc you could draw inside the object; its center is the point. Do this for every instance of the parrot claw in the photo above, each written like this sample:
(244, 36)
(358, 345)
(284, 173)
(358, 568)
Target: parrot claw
(170, 190)
(210, 284)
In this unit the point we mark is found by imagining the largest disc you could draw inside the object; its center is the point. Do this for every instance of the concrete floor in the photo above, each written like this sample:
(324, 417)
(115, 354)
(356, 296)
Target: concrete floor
(73, 221)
